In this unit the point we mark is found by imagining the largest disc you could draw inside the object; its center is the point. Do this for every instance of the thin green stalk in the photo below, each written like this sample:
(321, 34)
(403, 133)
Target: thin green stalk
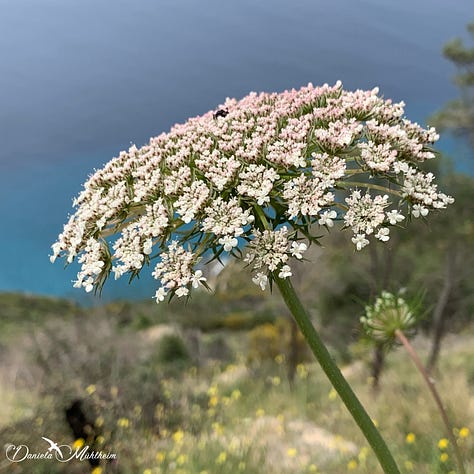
(360, 184)
(338, 381)
(434, 392)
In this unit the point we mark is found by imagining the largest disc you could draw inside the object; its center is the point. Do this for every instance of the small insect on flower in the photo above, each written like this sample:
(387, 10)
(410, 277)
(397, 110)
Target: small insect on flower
(221, 113)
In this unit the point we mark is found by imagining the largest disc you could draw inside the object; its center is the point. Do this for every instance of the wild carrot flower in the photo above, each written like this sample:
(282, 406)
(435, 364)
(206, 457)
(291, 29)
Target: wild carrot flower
(263, 172)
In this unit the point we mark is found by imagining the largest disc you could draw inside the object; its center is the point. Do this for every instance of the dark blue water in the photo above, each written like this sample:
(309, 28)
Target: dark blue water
(80, 80)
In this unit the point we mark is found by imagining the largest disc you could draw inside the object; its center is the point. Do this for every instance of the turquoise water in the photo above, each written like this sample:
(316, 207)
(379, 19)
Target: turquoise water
(81, 80)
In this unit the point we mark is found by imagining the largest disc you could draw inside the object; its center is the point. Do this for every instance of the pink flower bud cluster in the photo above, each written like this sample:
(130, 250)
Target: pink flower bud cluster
(266, 171)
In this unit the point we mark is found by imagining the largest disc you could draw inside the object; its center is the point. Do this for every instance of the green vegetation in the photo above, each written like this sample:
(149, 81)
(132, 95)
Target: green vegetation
(168, 398)
(224, 384)
(458, 115)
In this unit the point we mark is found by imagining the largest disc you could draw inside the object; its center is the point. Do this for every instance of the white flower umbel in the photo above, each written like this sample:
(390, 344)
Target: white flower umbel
(365, 212)
(257, 172)
(269, 249)
(175, 270)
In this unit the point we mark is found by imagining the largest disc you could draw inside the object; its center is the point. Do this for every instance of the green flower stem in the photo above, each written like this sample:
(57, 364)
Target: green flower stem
(432, 387)
(344, 184)
(338, 381)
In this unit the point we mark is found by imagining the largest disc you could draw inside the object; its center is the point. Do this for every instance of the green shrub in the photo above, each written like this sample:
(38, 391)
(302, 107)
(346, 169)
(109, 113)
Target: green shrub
(172, 349)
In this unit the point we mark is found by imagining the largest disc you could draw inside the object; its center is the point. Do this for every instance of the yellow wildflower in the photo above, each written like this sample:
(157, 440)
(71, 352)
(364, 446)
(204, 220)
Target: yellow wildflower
(279, 359)
(178, 436)
(410, 438)
(160, 456)
(235, 395)
(443, 457)
(443, 443)
(99, 421)
(217, 428)
(182, 458)
(90, 389)
(213, 401)
(464, 432)
(123, 422)
(352, 465)
(212, 390)
(147, 471)
(97, 470)
(276, 381)
(302, 371)
(312, 468)
(100, 440)
(291, 452)
(332, 395)
(78, 444)
(409, 466)
(226, 401)
(260, 412)
(222, 458)
(363, 454)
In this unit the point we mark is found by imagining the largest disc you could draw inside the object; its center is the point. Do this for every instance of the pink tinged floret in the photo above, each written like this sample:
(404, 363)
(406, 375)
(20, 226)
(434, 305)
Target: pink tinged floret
(175, 271)
(377, 157)
(365, 213)
(192, 200)
(256, 181)
(226, 218)
(306, 196)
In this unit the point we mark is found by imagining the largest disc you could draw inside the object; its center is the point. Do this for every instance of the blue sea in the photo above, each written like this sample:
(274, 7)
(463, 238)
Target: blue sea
(81, 80)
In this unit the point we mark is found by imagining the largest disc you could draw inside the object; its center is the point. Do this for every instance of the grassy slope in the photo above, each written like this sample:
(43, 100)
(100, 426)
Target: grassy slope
(224, 416)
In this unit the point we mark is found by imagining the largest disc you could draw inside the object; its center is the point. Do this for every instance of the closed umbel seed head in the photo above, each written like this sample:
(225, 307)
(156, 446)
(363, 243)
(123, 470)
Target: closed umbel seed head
(388, 314)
